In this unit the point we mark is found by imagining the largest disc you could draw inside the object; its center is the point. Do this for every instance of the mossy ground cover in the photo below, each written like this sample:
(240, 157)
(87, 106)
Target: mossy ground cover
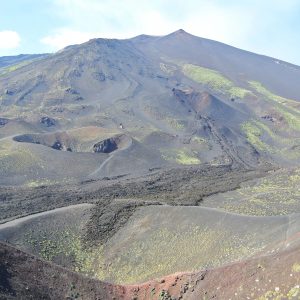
(162, 240)
(276, 294)
(56, 237)
(67, 248)
(284, 106)
(16, 158)
(182, 156)
(45, 181)
(14, 67)
(167, 251)
(277, 194)
(254, 134)
(214, 80)
(282, 146)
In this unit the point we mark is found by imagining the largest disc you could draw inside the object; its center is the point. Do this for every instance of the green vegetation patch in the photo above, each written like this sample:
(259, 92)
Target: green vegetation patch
(214, 80)
(15, 67)
(167, 251)
(45, 181)
(296, 268)
(181, 156)
(253, 134)
(185, 158)
(277, 194)
(284, 106)
(260, 88)
(286, 147)
(207, 76)
(277, 294)
(69, 247)
(16, 158)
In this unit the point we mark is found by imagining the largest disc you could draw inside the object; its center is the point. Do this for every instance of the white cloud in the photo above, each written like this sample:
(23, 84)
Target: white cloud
(9, 39)
(245, 24)
(64, 37)
(123, 19)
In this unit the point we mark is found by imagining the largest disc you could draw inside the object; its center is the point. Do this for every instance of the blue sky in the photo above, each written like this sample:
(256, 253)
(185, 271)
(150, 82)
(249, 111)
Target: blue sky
(270, 27)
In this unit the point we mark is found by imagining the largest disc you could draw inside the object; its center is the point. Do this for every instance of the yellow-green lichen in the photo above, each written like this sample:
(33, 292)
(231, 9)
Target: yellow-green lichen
(185, 158)
(14, 67)
(253, 134)
(175, 124)
(274, 195)
(214, 80)
(276, 294)
(165, 251)
(287, 108)
(181, 156)
(66, 244)
(296, 268)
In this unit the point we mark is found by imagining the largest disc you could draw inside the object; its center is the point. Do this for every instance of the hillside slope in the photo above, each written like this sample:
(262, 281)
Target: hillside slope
(182, 99)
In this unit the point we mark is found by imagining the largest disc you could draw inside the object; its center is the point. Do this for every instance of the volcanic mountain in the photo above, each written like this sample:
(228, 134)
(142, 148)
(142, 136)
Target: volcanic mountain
(180, 98)
(128, 160)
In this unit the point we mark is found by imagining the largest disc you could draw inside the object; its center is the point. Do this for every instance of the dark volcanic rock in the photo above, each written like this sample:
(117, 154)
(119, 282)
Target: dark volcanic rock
(268, 118)
(106, 146)
(72, 91)
(3, 122)
(48, 121)
(8, 92)
(57, 146)
(100, 76)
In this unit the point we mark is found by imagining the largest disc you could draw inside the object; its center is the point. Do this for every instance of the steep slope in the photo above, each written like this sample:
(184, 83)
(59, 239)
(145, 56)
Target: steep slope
(240, 66)
(19, 60)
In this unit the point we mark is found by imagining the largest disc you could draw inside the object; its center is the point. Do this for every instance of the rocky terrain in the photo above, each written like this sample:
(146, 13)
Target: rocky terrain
(157, 167)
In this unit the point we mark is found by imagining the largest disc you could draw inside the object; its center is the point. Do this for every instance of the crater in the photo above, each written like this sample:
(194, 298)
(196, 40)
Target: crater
(65, 141)
(121, 141)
